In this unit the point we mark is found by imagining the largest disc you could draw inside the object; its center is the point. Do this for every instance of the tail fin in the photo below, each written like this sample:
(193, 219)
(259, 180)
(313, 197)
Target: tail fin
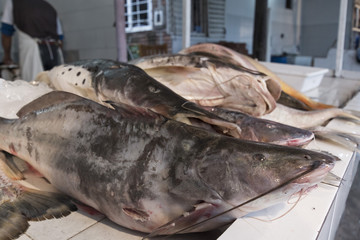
(12, 223)
(347, 140)
(31, 205)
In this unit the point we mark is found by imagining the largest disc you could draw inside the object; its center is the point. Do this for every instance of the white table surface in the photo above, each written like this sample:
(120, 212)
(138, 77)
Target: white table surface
(307, 220)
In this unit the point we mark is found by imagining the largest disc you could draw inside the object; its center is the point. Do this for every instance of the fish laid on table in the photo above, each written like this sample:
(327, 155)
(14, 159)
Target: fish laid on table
(211, 82)
(107, 80)
(193, 85)
(117, 82)
(307, 119)
(236, 58)
(143, 170)
(262, 130)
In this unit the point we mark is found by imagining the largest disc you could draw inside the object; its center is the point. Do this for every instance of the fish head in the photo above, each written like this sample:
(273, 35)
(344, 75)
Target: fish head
(273, 172)
(263, 130)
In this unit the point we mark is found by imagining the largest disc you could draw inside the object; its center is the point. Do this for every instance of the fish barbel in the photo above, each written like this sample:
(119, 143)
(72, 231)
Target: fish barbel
(142, 170)
(208, 81)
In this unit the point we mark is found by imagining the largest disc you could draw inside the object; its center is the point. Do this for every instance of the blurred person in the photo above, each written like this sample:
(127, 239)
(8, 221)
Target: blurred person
(39, 33)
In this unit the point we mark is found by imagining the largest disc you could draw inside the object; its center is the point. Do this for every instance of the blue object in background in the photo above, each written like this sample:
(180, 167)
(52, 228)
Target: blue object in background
(279, 59)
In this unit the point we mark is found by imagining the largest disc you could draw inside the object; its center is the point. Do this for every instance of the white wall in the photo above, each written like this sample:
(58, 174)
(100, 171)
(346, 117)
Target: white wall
(239, 21)
(282, 39)
(320, 26)
(239, 24)
(88, 27)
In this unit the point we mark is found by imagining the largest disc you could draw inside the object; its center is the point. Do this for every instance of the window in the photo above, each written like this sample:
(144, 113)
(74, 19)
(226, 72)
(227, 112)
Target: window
(138, 15)
(199, 16)
(356, 18)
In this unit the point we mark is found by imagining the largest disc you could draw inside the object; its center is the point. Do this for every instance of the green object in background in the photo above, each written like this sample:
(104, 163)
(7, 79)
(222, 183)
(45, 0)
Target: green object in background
(133, 52)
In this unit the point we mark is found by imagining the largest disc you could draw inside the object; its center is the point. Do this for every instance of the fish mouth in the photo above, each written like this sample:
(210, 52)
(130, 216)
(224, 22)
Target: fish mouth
(309, 181)
(317, 175)
(296, 142)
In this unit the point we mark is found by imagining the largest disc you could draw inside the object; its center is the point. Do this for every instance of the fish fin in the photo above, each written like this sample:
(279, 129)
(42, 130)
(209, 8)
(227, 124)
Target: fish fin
(226, 127)
(350, 115)
(198, 213)
(347, 140)
(12, 223)
(354, 113)
(332, 179)
(9, 167)
(38, 205)
(31, 205)
(290, 101)
(47, 100)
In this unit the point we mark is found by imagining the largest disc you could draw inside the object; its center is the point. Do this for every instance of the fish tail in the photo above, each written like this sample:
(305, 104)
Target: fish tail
(354, 113)
(350, 115)
(12, 223)
(31, 205)
(347, 140)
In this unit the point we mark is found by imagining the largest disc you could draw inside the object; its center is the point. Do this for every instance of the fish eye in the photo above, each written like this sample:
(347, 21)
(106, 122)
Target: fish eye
(307, 157)
(259, 157)
(270, 126)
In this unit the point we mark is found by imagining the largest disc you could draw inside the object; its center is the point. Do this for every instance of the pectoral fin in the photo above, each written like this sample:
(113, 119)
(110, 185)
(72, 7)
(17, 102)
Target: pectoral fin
(31, 205)
(186, 221)
(9, 167)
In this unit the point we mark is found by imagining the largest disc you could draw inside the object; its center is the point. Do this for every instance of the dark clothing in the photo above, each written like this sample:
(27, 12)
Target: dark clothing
(39, 21)
(49, 55)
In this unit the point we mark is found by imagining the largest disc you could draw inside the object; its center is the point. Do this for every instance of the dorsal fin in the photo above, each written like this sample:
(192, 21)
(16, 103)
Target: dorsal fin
(47, 100)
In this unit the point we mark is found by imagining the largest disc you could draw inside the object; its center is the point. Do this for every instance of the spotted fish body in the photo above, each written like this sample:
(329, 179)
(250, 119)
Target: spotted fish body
(111, 81)
(107, 80)
(142, 170)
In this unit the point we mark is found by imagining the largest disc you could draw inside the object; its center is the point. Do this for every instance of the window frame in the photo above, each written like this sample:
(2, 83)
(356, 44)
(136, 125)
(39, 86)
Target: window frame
(129, 13)
(202, 17)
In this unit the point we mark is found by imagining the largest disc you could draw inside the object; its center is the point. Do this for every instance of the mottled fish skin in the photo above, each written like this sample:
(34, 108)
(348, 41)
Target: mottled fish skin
(118, 82)
(142, 170)
(262, 130)
(105, 81)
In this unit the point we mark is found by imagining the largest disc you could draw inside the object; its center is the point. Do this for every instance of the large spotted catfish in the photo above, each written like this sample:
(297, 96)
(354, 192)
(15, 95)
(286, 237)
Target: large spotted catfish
(143, 170)
(104, 80)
